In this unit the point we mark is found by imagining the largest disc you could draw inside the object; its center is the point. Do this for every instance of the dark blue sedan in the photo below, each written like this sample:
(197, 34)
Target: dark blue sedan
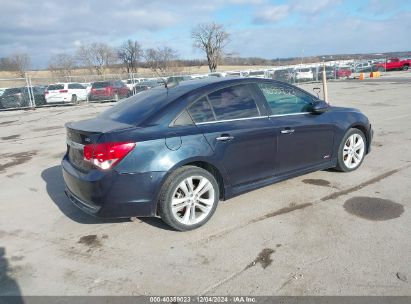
(175, 152)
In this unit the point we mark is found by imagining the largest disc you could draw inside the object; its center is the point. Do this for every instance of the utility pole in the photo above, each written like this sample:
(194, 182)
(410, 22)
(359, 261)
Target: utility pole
(325, 90)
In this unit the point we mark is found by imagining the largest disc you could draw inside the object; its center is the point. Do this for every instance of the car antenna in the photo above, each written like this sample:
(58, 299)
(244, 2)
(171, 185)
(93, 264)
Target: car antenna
(170, 84)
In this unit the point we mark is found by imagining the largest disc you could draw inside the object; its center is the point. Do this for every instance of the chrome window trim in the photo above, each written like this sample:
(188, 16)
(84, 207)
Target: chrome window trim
(74, 144)
(230, 120)
(290, 114)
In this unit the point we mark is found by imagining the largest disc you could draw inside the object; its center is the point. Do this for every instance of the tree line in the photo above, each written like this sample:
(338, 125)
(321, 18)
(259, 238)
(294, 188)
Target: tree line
(210, 38)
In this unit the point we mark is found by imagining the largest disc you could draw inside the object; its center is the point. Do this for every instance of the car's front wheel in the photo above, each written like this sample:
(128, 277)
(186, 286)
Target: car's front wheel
(352, 150)
(188, 198)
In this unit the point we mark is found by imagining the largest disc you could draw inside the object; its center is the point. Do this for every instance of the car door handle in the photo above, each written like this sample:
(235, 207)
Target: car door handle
(224, 137)
(287, 131)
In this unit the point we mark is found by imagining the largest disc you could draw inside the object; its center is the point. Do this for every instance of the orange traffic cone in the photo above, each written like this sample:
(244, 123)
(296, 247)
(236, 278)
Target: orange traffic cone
(361, 76)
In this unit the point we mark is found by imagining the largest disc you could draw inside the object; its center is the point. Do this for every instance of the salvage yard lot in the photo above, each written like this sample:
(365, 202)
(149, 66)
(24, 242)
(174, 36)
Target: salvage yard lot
(324, 233)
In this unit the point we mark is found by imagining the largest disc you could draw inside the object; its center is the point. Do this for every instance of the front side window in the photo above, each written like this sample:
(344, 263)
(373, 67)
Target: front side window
(233, 102)
(285, 100)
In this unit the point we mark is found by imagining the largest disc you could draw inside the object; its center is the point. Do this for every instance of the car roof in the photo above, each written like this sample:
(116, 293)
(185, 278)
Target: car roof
(187, 86)
(154, 106)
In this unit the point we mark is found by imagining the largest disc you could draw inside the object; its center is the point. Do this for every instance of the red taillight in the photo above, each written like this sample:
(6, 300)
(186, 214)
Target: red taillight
(63, 91)
(106, 155)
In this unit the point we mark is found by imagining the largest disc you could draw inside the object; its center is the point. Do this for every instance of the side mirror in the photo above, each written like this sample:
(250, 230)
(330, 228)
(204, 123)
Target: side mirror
(320, 107)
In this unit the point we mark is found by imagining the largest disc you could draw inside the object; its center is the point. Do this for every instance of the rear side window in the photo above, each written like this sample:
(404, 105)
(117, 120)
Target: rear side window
(53, 87)
(183, 119)
(233, 102)
(201, 111)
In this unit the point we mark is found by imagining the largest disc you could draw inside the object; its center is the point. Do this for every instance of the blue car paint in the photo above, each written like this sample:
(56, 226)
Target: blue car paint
(258, 155)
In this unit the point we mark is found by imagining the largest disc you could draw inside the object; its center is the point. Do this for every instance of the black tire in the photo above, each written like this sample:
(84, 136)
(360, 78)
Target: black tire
(381, 69)
(74, 99)
(340, 160)
(170, 186)
(405, 68)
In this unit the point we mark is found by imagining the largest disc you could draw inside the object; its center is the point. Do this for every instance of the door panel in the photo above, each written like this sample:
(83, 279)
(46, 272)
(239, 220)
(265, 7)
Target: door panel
(303, 141)
(246, 148)
(239, 132)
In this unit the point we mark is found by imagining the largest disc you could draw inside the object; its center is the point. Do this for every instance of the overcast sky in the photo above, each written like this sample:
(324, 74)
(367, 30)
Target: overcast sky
(258, 28)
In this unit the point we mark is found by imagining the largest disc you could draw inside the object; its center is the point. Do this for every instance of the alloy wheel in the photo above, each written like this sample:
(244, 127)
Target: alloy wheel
(193, 200)
(353, 151)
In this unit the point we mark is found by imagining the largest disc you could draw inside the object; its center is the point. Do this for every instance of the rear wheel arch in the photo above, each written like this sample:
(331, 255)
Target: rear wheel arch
(191, 209)
(213, 170)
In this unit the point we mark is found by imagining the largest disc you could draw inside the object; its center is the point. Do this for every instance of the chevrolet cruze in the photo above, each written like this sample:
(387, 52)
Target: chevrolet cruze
(174, 152)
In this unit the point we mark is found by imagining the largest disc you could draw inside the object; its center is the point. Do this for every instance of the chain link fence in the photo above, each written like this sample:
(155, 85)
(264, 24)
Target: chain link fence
(30, 92)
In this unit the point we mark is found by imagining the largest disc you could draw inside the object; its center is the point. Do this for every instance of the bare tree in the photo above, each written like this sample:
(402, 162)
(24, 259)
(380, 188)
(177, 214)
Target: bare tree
(211, 38)
(161, 60)
(62, 64)
(97, 55)
(6, 64)
(130, 53)
(19, 63)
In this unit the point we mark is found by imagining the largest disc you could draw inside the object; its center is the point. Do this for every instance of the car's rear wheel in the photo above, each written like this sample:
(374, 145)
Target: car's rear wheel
(74, 99)
(352, 150)
(188, 198)
(405, 68)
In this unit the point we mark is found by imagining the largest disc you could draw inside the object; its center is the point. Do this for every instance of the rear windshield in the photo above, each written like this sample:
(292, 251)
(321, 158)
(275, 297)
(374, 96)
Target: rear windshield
(53, 87)
(98, 85)
(135, 109)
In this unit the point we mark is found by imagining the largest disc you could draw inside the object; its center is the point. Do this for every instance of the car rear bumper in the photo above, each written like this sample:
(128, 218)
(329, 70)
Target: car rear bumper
(112, 194)
(100, 97)
(58, 99)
